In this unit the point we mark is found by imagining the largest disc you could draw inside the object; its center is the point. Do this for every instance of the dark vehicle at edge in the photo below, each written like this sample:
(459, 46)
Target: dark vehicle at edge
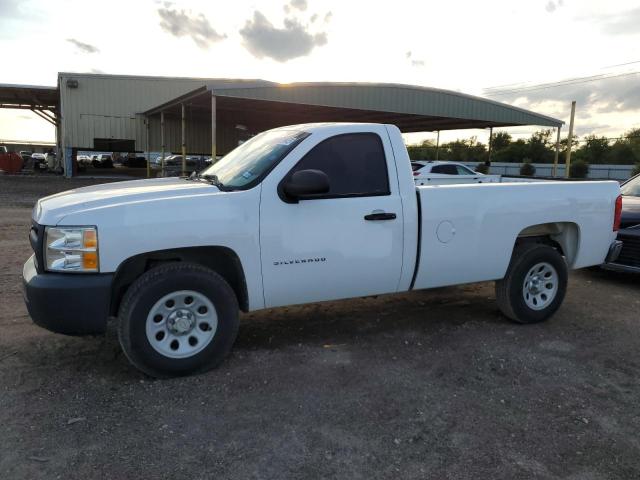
(629, 233)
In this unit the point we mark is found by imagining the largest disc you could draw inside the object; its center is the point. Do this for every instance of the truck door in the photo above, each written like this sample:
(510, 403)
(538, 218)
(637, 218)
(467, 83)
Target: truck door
(346, 243)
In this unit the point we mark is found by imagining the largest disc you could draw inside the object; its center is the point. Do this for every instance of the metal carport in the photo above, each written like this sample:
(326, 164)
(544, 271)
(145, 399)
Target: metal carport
(256, 105)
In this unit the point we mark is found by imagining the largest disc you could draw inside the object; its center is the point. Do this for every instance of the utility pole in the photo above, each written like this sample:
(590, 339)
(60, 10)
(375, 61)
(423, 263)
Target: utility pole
(162, 141)
(184, 141)
(570, 139)
(213, 129)
(490, 148)
(557, 154)
(146, 121)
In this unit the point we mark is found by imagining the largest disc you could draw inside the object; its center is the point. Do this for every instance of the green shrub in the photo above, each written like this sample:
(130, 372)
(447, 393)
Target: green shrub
(482, 168)
(579, 169)
(527, 169)
(636, 170)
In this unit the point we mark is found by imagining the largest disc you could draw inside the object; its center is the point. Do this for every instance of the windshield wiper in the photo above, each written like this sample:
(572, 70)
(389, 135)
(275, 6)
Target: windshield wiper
(212, 179)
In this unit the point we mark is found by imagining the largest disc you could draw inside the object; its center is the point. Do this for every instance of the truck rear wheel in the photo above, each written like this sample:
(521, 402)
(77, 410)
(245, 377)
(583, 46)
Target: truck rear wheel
(535, 284)
(178, 319)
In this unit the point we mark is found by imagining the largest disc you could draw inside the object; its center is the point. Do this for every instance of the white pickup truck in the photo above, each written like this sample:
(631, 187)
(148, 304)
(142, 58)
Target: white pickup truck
(298, 214)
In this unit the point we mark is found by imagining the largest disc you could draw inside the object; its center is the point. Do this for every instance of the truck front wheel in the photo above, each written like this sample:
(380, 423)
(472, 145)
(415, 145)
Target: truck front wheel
(178, 319)
(535, 284)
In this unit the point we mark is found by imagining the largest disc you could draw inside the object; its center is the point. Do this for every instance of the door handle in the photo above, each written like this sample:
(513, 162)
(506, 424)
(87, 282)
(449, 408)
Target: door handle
(380, 216)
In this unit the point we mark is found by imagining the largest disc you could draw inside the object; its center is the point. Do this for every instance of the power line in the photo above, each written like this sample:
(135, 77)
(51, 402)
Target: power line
(621, 64)
(498, 88)
(544, 86)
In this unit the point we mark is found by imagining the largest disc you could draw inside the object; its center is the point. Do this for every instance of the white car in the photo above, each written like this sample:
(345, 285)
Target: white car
(298, 214)
(435, 172)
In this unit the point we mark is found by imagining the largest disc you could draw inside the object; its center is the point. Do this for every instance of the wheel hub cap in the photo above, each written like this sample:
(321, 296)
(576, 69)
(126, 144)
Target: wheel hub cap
(540, 286)
(181, 321)
(181, 324)
(535, 285)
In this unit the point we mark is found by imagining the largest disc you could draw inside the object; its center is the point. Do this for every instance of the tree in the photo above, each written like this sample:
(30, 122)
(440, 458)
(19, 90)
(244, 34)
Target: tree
(594, 150)
(500, 140)
(515, 152)
(425, 151)
(621, 153)
(633, 137)
(469, 150)
(539, 149)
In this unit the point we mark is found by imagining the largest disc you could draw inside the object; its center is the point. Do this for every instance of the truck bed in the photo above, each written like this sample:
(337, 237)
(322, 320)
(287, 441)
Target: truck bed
(468, 231)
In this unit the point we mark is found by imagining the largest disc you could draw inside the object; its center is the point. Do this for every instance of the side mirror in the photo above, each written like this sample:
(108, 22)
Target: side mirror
(306, 182)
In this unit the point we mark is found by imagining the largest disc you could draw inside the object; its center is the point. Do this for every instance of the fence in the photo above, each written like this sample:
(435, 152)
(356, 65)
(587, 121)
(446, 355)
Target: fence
(611, 172)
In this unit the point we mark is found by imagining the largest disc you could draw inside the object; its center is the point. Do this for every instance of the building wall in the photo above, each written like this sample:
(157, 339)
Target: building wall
(107, 106)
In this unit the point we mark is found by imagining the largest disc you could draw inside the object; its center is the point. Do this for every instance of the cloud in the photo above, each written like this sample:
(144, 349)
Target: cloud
(83, 47)
(553, 5)
(181, 23)
(10, 9)
(619, 94)
(609, 96)
(313, 18)
(328, 16)
(262, 39)
(299, 4)
(589, 128)
(622, 23)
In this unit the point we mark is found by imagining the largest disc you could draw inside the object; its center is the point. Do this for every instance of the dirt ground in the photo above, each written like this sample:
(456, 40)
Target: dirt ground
(431, 384)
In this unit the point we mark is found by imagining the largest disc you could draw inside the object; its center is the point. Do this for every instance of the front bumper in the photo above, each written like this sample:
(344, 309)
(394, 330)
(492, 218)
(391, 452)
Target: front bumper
(68, 303)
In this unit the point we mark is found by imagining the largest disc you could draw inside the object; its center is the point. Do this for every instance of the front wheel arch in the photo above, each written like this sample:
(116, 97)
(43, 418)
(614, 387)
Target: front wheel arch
(221, 260)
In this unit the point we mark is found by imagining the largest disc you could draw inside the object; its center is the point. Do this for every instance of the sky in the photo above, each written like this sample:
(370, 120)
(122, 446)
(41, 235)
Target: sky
(511, 51)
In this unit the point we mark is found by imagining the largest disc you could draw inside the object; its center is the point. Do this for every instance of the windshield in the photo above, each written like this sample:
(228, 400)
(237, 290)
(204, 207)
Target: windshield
(632, 187)
(245, 166)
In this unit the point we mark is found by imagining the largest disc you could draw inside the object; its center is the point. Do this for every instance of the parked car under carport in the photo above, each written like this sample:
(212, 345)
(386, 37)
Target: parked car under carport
(629, 233)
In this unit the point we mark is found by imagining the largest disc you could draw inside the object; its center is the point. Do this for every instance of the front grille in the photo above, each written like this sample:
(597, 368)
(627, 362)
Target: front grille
(630, 253)
(36, 239)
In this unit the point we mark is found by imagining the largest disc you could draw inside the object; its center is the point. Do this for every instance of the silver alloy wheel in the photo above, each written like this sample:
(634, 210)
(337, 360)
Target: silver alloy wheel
(181, 324)
(540, 286)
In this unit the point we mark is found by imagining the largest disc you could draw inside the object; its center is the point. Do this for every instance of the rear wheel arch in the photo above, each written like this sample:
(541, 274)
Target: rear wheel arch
(563, 236)
(221, 260)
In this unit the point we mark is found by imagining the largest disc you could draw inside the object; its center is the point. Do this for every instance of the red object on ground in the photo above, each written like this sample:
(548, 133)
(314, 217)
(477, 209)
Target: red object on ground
(10, 162)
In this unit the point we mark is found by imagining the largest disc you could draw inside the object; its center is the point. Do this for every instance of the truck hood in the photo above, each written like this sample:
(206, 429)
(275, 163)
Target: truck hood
(51, 210)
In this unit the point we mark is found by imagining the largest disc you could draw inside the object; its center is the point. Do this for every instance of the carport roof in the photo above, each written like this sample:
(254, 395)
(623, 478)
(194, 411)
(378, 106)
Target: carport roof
(29, 97)
(411, 108)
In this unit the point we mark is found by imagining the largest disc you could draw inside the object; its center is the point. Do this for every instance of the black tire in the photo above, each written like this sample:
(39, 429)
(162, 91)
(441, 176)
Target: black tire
(152, 286)
(509, 291)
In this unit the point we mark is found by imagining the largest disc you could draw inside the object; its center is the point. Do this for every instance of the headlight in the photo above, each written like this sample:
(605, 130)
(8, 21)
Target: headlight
(71, 249)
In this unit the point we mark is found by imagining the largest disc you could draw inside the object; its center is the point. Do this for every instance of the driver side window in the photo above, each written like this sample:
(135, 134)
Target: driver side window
(355, 164)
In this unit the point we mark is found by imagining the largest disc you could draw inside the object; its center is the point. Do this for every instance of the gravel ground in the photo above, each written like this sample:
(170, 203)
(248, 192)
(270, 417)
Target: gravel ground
(430, 384)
